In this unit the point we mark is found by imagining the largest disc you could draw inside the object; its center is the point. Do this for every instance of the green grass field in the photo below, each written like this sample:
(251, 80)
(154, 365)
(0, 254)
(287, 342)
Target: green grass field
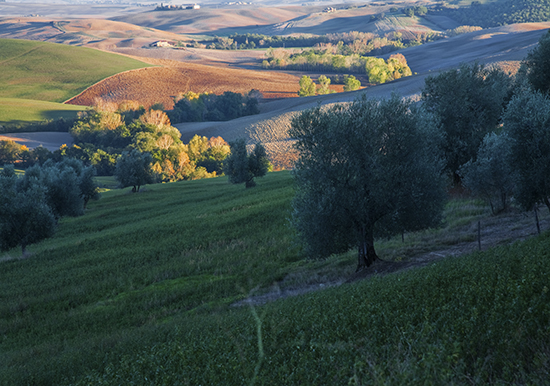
(139, 291)
(54, 72)
(20, 111)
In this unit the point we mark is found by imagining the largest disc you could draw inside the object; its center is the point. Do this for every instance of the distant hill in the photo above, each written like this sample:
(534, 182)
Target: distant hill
(500, 12)
(54, 72)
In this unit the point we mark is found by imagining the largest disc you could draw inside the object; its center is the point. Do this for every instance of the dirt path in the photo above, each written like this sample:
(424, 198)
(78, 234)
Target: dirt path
(497, 230)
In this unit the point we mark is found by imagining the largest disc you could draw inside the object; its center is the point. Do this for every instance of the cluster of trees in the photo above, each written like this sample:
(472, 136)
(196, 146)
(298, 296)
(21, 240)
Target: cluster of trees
(103, 133)
(101, 136)
(378, 70)
(195, 107)
(308, 87)
(497, 13)
(32, 204)
(377, 167)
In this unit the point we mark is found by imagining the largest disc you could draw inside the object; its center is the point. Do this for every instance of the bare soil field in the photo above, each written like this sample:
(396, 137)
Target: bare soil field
(162, 84)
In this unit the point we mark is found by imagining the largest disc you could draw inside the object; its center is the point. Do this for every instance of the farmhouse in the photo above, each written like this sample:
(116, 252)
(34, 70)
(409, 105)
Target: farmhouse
(161, 43)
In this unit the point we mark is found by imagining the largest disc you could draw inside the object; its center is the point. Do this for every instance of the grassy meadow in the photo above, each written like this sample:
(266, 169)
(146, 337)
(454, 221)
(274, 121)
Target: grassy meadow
(21, 111)
(54, 72)
(140, 289)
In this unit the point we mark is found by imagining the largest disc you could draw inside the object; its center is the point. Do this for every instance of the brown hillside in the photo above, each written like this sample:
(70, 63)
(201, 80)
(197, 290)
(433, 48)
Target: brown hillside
(161, 84)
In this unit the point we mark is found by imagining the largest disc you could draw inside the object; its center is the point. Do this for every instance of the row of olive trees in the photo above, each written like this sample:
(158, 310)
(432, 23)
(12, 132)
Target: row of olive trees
(32, 204)
(379, 167)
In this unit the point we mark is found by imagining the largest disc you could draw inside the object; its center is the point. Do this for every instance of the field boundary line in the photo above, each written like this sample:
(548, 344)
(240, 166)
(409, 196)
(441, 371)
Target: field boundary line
(104, 79)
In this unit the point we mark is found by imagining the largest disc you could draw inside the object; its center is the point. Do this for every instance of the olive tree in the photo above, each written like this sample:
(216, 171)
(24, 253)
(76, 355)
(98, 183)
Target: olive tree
(368, 168)
(134, 169)
(490, 175)
(25, 216)
(537, 65)
(243, 167)
(468, 103)
(527, 122)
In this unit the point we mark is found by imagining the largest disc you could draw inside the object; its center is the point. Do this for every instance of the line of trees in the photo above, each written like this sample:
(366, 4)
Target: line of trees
(378, 70)
(308, 87)
(346, 43)
(378, 167)
(196, 107)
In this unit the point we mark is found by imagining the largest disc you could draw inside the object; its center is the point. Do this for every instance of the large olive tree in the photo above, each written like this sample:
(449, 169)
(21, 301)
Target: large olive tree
(365, 168)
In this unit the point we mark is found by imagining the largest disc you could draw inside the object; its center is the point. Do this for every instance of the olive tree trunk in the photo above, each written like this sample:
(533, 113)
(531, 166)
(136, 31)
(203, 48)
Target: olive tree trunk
(366, 254)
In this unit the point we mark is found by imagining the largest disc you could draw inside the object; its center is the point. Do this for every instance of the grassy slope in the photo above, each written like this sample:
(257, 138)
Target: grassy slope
(139, 289)
(54, 72)
(16, 111)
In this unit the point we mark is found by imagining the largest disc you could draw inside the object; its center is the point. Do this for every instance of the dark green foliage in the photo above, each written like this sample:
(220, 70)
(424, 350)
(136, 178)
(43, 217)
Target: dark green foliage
(468, 103)
(370, 167)
(62, 182)
(25, 216)
(243, 167)
(193, 107)
(537, 65)
(527, 123)
(59, 124)
(133, 168)
(491, 175)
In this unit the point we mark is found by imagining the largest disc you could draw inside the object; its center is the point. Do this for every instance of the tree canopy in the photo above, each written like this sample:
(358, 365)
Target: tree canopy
(527, 123)
(243, 167)
(134, 169)
(537, 65)
(468, 103)
(371, 167)
(25, 216)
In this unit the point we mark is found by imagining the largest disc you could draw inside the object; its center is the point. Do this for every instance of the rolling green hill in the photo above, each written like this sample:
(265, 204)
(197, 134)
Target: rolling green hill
(54, 72)
(139, 291)
(20, 111)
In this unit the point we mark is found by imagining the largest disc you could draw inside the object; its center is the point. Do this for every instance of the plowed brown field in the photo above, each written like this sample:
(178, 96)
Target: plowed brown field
(161, 84)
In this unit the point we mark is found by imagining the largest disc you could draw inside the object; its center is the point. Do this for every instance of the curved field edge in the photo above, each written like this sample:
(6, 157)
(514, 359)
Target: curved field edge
(18, 111)
(55, 72)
